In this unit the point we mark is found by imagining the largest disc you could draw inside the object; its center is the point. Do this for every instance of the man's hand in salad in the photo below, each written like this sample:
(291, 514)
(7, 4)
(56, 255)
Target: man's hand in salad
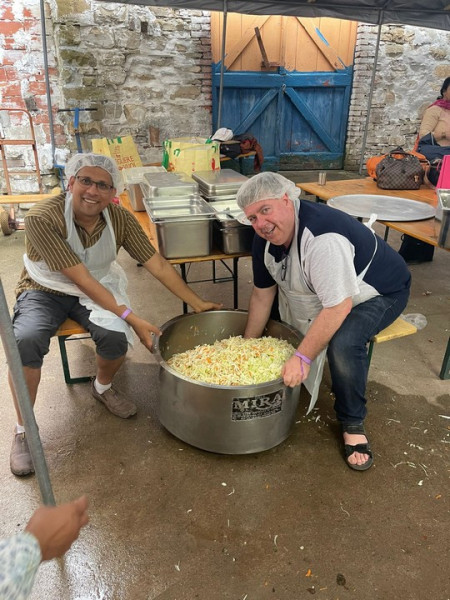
(294, 371)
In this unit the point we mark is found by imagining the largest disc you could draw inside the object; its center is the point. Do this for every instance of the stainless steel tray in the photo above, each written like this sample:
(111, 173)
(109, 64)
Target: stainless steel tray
(171, 210)
(226, 191)
(227, 213)
(224, 198)
(387, 208)
(168, 184)
(220, 177)
(136, 174)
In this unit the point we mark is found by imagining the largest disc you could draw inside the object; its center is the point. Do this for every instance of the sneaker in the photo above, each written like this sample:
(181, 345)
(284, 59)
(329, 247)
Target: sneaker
(20, 459)
(115, 403)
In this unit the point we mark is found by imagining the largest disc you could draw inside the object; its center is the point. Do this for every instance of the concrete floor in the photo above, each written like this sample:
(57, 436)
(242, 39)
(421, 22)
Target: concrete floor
(171, 522)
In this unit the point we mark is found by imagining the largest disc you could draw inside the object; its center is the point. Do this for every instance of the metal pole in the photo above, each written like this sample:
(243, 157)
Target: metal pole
(369, 100)
(23, 398)
(47, 82)
(222, 66)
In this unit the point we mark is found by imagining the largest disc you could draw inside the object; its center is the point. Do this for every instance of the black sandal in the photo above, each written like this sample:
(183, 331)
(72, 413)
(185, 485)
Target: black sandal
(357, 428)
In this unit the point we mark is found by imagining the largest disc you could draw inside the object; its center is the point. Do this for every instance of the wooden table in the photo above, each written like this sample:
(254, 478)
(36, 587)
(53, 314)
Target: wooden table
(215, 255)
(426, 230)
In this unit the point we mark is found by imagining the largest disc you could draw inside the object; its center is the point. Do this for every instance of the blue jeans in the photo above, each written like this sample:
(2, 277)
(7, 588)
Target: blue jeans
(347, 353)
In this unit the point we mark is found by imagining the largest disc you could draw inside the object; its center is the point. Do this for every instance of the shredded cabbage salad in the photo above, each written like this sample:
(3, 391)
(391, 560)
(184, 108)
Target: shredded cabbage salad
(234, 361)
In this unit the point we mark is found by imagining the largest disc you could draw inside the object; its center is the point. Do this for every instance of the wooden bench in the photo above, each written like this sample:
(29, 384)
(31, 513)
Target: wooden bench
(399, 328)
(68, 329)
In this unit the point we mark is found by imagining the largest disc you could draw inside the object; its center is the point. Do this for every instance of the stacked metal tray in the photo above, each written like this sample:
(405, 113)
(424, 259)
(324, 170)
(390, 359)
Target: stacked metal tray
(183, 225)
(171, 185)
(218, 185)
(133, 178)
(229, 235)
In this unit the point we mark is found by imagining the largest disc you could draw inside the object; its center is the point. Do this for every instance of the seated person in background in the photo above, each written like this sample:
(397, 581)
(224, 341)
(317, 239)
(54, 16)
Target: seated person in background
(434, 132)
(70, 270)
(338, 283)
(49, 533)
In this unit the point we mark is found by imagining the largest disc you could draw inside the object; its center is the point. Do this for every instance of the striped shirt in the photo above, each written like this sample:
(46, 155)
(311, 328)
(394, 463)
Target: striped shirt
(45, 238)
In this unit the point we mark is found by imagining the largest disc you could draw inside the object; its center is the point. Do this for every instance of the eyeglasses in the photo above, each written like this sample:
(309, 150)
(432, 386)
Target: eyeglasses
(102, 186)
(284, 261)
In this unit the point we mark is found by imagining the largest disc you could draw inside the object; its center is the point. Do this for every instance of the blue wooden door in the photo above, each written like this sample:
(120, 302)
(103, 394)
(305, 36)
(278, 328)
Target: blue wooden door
(299, 117)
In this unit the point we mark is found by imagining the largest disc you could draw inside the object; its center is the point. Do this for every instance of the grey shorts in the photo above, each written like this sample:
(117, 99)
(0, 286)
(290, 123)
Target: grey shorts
(37, 315)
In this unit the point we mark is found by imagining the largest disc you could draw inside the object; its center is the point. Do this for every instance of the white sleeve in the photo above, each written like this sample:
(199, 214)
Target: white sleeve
(20, 557)
(328, 266)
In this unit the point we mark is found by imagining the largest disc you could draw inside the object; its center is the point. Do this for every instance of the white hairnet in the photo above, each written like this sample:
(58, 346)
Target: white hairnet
(265, 186)
(78, 161)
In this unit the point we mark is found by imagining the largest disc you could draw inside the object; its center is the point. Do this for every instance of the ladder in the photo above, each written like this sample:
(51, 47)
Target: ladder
(31, 141)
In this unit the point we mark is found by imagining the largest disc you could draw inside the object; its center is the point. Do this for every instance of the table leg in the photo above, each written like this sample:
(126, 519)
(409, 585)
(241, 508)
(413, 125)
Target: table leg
(235, 282)
(183, 275)
(386, 233)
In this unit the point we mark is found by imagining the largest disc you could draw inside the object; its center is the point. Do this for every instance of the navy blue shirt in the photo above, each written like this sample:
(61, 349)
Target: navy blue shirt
(388, 273)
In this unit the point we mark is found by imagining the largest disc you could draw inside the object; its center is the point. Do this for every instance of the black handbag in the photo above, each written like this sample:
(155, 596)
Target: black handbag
(399, 170)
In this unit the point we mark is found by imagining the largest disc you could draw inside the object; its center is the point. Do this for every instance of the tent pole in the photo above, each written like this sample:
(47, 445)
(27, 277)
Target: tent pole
(369, 100)
(23, 398)
(222, 61)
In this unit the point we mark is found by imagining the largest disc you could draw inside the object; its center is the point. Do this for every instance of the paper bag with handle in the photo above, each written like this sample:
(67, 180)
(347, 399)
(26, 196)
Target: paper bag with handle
(122, 149)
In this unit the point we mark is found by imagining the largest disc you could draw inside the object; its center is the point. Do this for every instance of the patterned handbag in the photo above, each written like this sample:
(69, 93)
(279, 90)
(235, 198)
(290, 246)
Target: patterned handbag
(399, 170)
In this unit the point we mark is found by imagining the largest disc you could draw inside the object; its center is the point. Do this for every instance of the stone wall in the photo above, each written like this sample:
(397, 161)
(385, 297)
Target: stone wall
(146, 71)
(412, 64)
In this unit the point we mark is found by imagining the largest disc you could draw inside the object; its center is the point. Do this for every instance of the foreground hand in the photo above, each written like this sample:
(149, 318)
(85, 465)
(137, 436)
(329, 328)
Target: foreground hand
(206, 305)
(292, 371)
(57, 527)
(144, 330)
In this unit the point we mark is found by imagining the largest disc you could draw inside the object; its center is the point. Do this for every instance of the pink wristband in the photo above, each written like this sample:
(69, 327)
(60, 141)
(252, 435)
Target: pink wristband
(125, 313)
(302, 357)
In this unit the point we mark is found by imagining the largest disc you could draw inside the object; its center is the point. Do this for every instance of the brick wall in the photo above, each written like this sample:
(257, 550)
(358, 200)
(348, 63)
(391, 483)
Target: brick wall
(22, 86)
(147, 71)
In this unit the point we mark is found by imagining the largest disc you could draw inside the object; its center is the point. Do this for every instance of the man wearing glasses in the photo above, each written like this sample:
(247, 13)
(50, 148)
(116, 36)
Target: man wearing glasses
(71, 271)
(337, 282)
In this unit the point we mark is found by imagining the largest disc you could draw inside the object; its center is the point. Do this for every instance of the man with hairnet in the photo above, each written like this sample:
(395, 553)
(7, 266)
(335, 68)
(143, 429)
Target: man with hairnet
(71, 271)
(338, 283)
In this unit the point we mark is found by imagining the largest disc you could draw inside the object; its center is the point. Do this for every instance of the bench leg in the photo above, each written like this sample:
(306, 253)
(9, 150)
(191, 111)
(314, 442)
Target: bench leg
(369, 352)
(445, 370)
(65, 362)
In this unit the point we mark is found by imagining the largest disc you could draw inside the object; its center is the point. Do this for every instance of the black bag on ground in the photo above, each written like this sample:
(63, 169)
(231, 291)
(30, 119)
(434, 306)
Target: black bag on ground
(415, 251)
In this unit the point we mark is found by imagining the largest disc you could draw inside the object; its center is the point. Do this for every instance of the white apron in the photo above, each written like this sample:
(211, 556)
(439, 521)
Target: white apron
(100, 260)
(298, 305)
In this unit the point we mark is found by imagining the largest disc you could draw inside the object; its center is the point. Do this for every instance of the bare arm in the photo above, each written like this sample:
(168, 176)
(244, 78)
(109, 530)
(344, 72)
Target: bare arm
(260, 305)
(160, 268)
(429, 121)
(319, 334)
(57, 527)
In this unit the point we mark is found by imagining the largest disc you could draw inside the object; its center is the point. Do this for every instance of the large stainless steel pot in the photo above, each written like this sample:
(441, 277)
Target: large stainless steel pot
(224, 419)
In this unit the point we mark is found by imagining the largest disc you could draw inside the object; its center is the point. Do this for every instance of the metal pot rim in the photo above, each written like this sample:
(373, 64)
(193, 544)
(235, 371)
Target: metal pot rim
(176, 373)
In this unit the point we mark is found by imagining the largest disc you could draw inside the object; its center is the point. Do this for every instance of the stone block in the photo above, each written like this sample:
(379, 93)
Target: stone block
(72, 7)
(69, 35)
(78, 58)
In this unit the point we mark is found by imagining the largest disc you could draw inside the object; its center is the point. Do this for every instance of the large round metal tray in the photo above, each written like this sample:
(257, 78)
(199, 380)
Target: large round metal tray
(387, 208)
